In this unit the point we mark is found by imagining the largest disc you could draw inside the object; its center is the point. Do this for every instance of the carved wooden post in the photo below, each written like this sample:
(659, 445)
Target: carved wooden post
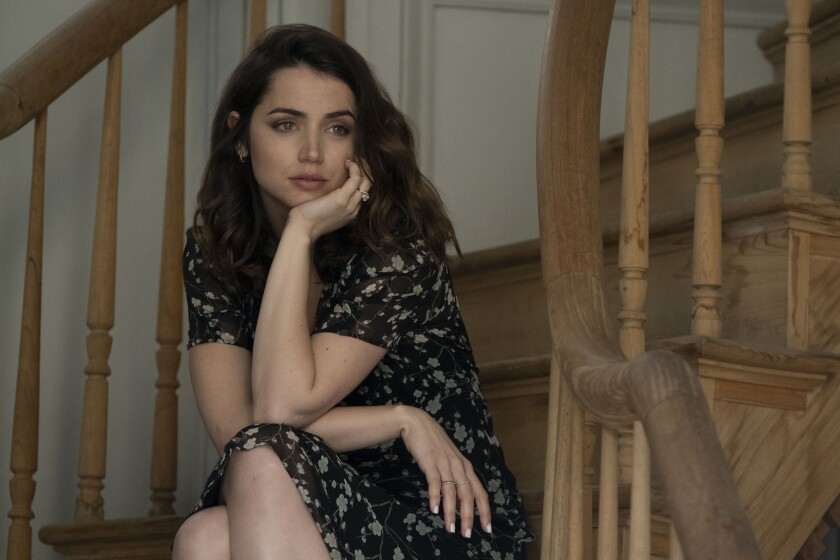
(89, 502)
(797, 104)
(258, 20)
(169, 321)
(338, 17)
(552, 459)
(707, 220)
(633, 264)
(24, 458)
(706, 257)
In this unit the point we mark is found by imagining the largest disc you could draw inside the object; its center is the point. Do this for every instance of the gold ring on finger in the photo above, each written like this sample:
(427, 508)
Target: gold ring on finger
(461, 483)
(452, 482)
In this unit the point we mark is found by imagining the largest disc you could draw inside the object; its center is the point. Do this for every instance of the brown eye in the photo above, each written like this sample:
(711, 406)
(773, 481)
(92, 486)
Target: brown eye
(339, 129)
(284, 126)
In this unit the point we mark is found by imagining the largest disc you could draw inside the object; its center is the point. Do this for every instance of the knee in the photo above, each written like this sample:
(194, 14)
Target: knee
(254, 466)
(203, 535)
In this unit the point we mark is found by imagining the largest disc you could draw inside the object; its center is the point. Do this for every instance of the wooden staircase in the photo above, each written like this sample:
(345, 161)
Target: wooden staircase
(771, 376)
(770, 403)
(773, 373)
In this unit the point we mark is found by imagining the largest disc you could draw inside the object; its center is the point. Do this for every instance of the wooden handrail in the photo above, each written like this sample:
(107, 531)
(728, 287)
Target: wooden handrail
(61, 58)
(658, 388)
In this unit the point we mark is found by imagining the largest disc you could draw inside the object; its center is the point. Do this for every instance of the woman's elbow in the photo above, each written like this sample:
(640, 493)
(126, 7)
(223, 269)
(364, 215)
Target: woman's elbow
(284, 413)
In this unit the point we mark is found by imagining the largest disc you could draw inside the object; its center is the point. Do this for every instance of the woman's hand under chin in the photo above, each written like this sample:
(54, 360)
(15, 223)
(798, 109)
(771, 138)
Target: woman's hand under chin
(333, 210)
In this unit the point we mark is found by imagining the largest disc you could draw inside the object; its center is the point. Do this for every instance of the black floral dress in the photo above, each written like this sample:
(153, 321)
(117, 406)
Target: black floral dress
(373, 503)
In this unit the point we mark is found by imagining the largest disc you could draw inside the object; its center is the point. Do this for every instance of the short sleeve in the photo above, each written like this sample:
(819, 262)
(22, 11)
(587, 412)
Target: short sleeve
(215, 313)
(382, 299)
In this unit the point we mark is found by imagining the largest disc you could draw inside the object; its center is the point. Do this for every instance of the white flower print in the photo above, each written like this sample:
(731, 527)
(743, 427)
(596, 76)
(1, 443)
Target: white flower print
(227, 338)
(460, 432)
(341, 502)
(434, 405)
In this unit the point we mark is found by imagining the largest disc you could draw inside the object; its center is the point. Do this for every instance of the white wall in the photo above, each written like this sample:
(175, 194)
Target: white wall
(466, 71)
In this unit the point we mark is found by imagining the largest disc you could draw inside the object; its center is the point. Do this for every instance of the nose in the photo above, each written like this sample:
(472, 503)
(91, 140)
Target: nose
(311, 149)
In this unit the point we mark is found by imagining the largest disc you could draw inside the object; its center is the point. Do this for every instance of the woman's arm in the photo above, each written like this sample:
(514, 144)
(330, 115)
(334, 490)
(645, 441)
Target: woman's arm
(298, 377)
(220, 375)
(221, 379)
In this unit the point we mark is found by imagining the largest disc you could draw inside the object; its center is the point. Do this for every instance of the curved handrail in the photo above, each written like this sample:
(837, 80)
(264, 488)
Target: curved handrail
(69, 52)
(657, 388)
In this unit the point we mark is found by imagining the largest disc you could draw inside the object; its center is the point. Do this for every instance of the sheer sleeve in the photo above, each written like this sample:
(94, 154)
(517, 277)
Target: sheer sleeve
(215, 313)
(381, 300)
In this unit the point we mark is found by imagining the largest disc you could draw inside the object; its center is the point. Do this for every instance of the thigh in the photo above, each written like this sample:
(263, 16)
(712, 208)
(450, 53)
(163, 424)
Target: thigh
(203, 535)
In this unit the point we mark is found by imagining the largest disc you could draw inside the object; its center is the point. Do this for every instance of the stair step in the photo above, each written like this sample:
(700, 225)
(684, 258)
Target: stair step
(147, 538)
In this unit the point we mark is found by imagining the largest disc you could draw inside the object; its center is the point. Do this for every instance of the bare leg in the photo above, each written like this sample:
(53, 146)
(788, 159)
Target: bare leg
(267, 517)
(203, 536)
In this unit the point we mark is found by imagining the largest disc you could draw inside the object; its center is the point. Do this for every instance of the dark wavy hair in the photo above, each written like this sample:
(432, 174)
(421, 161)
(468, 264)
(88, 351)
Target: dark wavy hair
(231, 224)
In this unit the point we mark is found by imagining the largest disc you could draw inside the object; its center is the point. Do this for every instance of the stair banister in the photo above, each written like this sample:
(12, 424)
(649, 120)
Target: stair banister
(61, 58)
(709, 120)
(169, 329)
(24, 457)
(658, 388)
(100, 311)
(633, 262)
(796, 173)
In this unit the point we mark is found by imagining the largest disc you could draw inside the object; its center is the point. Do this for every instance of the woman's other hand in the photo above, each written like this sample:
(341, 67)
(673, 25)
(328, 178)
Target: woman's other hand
(335, 209)
(450, 475)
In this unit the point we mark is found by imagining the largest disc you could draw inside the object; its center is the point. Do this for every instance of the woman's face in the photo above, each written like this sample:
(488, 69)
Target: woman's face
(300, 136)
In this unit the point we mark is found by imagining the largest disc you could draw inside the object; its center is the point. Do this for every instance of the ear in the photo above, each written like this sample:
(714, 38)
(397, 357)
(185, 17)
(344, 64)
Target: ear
(232, 119)
(241, 149)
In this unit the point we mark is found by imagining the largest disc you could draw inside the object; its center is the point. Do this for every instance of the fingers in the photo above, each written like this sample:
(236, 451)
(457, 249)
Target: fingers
(358, 183)
(434, 493)
(450, 497)
(482, 502)
(459, 492)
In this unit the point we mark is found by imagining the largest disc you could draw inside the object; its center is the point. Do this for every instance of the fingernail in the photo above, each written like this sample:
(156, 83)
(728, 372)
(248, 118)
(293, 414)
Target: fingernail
(468, 534)
(435, 509)
(489, 528)
(451, 527)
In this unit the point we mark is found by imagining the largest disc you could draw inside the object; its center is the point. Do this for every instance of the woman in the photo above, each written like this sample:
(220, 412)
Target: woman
(323, 319)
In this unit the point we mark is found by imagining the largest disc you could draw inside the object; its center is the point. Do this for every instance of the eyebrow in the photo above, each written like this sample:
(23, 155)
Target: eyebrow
(296, 113)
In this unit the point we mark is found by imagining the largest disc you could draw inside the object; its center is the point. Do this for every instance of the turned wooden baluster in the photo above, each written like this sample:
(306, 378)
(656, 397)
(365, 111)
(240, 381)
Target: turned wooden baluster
(559, 484)
(24, 458)
(633, 264)
(169, 321)
(709, 120)
(797, 104)
(258, 20)
(89, 502)
(338, 18)
(705, 316)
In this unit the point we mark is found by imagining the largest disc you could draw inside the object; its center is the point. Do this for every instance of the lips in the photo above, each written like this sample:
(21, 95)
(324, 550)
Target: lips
(308, 181)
